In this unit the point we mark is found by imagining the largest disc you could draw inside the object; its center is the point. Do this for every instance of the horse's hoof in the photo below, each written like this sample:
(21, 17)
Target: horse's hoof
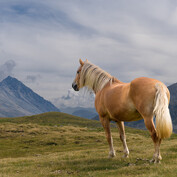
(111, 155)
(160, 157)
(125, 156)
(155, 161)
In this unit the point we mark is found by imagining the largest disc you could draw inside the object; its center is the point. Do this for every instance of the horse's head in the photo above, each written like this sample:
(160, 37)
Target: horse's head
(76, 82)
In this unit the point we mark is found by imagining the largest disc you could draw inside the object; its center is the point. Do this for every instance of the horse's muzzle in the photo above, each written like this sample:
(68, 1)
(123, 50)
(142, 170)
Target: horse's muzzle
(74, 86)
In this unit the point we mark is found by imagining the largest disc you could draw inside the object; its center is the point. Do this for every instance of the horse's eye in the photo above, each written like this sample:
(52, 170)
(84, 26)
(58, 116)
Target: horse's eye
(77, 72)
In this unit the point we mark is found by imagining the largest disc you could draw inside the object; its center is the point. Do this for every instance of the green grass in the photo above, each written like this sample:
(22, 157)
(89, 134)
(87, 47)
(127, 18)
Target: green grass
(57, 144)
(54, 118)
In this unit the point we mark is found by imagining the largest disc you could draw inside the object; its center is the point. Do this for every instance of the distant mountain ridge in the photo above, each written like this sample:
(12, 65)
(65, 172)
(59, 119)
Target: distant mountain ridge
(173, 104)
(16, 100)
(88, 113)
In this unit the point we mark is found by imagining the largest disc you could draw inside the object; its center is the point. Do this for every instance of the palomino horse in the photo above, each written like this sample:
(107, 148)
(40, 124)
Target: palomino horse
(143, 98)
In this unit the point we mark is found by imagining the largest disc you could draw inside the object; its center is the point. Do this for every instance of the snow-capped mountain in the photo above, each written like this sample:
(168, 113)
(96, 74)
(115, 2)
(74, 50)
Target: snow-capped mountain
(16, 99)
(77, 103)
(83, 98)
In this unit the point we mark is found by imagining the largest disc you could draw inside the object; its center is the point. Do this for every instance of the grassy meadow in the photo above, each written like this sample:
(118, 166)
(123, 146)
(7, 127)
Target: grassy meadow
(58, 144)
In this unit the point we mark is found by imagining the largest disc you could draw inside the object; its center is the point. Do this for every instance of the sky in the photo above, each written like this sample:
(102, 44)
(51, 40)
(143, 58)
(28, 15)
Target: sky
(41, 41)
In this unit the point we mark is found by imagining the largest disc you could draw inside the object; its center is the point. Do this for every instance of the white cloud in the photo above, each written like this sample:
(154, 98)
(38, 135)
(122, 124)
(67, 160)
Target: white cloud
(6, 69)
(129, 39)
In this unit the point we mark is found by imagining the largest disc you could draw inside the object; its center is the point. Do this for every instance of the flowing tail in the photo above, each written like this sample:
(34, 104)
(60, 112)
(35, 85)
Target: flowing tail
(164, 126)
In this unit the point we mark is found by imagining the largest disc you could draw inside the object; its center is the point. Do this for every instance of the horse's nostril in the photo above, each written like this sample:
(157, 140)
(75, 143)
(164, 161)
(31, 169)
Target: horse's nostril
(74, 86)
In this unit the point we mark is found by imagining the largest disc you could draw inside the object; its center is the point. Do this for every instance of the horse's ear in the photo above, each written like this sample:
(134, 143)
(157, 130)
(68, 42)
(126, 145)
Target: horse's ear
(86, 60)
(81, 62)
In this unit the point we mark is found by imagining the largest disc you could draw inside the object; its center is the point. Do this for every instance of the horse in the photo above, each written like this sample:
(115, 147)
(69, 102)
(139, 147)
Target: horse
(142, 98)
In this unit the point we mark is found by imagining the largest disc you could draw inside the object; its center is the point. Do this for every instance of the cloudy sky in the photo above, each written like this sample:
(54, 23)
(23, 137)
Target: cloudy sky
(41, 41)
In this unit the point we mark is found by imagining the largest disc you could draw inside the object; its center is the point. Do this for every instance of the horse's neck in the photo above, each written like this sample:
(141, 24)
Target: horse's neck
(114, 80)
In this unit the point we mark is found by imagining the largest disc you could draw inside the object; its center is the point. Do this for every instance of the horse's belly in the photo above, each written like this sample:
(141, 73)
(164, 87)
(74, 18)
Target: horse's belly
(128, 116)
(125, 114)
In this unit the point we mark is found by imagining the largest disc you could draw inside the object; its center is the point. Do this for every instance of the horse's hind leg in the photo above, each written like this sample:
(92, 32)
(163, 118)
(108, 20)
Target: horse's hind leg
(150, 126)
(121, 129)
(106, 125)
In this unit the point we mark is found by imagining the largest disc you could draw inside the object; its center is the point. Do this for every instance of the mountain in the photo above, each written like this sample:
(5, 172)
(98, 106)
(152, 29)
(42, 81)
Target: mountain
(84, 112)
(77, 103)
(16, 99)
(173, 103)
(88, 113)
(84, 98)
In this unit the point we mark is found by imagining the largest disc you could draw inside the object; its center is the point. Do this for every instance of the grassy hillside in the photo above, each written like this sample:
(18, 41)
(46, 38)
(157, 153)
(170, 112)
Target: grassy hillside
(53, 119)
(57, 144)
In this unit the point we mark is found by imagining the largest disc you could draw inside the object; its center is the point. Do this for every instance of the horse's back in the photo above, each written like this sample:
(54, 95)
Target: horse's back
(144, 87)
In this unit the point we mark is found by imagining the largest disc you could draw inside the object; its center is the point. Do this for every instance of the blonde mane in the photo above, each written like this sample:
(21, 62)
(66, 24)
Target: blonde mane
(94, 77)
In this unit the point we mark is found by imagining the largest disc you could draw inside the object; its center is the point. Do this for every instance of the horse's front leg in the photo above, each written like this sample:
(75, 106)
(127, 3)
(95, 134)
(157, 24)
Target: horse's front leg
(121, 129)
(106, 125)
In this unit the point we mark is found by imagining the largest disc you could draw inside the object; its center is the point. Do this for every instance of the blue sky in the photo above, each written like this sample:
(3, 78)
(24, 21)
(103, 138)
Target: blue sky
(43, 40)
